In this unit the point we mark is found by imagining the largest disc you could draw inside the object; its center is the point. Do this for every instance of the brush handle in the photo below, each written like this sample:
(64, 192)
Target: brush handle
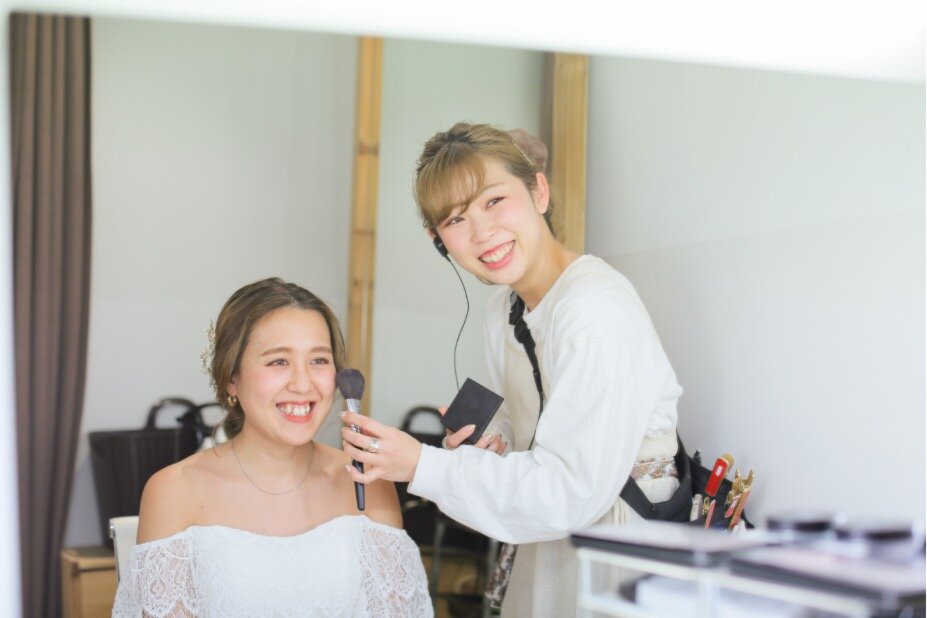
(359, 487)
(738, 512)
(354, 406)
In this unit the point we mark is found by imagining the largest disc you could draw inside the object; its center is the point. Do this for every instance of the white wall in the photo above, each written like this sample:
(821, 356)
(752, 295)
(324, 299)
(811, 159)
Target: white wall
(419, 304)
(774, 225)
(220, 156)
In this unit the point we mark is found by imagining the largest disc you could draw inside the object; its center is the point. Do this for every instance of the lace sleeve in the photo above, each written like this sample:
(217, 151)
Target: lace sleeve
(393, 579)
(160, 581)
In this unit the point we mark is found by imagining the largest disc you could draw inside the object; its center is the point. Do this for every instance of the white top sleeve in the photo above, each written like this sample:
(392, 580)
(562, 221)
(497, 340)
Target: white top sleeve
(393, 582)
(586, 442)
(160, 581)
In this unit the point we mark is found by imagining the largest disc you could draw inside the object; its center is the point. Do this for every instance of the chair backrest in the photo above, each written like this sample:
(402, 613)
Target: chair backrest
(431, 416)
(123, 531)
(418, 514)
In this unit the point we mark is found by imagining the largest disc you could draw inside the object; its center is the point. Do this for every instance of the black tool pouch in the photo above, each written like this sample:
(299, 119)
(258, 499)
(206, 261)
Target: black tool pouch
(693, 477)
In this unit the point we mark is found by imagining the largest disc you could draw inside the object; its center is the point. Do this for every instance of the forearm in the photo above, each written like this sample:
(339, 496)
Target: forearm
(520, 498)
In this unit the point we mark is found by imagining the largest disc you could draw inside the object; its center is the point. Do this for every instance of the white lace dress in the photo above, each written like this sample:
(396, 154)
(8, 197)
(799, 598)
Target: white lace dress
(348, 566)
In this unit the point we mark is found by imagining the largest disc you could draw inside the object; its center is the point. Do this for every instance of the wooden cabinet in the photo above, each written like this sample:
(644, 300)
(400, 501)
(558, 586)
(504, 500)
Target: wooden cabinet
(88, 582)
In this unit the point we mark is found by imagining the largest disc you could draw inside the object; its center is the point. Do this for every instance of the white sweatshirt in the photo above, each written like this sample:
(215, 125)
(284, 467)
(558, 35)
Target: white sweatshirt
(607, 384)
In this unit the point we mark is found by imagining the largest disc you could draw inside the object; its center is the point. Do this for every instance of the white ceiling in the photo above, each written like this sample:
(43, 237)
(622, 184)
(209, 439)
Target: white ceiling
(869, 39)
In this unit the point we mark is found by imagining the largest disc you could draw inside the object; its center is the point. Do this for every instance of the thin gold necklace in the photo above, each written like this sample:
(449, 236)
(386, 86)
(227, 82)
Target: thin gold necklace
(273, 493)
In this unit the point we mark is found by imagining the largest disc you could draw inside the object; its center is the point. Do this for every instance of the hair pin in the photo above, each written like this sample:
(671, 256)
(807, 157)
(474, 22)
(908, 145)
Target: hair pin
(527, 158)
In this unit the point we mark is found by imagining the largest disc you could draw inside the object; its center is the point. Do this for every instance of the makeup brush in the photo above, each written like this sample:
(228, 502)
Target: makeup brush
(351, 384)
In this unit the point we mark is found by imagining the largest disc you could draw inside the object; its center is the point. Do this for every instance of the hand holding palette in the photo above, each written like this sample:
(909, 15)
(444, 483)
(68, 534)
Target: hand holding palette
(474, 405)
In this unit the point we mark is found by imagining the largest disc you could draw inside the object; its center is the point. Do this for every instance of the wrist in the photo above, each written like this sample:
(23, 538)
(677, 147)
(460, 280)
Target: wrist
(418, 458)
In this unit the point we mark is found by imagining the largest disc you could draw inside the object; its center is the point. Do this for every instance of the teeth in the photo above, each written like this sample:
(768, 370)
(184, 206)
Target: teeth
(498, 254)
(295, 410)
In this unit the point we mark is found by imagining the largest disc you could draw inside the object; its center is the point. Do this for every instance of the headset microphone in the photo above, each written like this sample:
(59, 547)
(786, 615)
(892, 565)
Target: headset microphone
(439, 245)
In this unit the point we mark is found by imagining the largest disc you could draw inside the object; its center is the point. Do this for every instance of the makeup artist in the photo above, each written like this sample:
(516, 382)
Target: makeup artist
(607, 408)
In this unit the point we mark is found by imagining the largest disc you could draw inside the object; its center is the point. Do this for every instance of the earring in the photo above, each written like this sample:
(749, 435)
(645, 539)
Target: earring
(232, 400)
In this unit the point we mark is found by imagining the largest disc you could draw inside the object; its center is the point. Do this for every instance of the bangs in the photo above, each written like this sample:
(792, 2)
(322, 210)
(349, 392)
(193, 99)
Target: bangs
(453, 178)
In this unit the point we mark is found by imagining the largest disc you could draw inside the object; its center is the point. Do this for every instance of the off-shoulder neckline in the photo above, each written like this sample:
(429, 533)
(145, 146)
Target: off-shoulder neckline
(324, 524)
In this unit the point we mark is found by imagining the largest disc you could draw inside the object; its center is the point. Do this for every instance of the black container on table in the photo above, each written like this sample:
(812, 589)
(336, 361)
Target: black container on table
(802, 526)
(124, 460)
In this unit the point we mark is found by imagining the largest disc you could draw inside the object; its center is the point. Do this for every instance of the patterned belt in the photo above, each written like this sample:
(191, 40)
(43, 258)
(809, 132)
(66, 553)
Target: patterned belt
(654, 468)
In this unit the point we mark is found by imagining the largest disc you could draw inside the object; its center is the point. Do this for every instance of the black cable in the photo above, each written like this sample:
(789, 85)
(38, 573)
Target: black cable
(466, 315)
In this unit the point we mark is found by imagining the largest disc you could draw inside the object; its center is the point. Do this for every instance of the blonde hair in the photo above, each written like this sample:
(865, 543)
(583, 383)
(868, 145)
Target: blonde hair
(452, 167)
(241, 312)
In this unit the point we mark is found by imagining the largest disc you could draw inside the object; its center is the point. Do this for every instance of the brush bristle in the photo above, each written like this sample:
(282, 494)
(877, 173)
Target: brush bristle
(350, 383)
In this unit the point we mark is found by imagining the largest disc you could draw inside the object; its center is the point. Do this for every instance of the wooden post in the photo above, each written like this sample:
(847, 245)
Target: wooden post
(364, 208)
(568, 147)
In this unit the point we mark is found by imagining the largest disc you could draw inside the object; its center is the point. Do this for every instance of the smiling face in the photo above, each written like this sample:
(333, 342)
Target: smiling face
(500, 234)
(285, 381)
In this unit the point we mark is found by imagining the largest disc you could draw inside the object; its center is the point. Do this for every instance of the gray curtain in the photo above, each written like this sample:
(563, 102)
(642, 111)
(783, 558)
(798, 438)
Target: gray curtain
(50, 101)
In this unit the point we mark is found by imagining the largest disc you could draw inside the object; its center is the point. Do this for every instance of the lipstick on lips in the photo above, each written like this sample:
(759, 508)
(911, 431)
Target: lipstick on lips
(503, 253)
(303, 411)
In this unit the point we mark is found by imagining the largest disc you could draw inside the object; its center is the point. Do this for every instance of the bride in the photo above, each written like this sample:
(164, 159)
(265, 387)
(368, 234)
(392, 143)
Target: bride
(266, 523)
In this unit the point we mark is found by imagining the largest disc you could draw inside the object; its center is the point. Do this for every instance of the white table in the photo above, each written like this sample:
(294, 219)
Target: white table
(711, 576)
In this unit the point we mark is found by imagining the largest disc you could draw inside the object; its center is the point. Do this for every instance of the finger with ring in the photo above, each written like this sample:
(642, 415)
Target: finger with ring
(374, 445)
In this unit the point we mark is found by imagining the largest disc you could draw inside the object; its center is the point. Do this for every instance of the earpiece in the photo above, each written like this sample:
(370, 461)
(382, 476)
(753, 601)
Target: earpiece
(439, 244)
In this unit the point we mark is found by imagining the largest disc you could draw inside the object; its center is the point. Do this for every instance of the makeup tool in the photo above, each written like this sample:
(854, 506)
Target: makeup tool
(351, 384)
(719, 471)
(696, 507)
(708, 506)
(742, 486)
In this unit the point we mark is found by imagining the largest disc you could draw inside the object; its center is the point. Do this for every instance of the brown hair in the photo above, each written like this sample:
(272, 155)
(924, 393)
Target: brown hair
(236, 320)
(452, 168)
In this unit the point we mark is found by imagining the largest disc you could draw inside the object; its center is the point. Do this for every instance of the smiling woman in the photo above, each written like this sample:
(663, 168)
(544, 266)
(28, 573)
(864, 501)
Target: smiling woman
(271, 508)
(603, 382)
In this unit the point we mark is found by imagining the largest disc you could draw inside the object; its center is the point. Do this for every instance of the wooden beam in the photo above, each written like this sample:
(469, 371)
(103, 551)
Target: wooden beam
(568, 147)
(364, 208)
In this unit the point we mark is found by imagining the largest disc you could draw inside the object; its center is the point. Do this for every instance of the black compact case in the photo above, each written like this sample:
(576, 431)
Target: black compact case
(474, 405)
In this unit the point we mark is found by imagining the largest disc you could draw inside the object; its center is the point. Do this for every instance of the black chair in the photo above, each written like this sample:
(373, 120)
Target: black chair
(427, 525)
(418, 513)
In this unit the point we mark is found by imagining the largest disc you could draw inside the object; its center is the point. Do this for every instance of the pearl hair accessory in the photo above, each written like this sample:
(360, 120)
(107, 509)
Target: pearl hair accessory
(208, 352)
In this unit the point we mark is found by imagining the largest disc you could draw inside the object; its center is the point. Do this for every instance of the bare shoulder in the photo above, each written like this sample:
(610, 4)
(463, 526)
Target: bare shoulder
(382, 503)
(172, 496)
